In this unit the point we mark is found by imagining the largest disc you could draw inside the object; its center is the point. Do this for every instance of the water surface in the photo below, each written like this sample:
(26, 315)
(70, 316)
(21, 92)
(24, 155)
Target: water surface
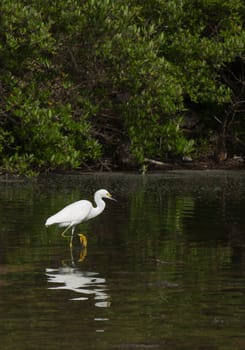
(164, 267)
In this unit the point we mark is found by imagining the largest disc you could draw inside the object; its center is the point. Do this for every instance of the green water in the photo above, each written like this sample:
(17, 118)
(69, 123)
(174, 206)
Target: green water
(164, 267)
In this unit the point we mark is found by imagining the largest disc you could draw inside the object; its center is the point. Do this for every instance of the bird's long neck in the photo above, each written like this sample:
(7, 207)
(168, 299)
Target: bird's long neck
(100, 205)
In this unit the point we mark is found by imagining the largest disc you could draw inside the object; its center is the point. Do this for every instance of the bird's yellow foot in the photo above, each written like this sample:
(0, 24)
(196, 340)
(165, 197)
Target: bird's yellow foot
(83, 254)
(83, 240)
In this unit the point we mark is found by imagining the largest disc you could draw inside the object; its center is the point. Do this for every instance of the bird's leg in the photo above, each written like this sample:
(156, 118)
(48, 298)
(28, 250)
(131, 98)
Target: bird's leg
(72, 257)
(83, 240)
(72, 233)
(63, 233)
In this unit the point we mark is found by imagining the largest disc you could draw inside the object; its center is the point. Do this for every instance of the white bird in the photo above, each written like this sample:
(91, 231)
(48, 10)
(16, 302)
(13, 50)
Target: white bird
(77, 212)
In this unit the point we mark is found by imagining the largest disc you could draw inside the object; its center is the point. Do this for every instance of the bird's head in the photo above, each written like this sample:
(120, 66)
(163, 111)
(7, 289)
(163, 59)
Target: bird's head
(105, 194)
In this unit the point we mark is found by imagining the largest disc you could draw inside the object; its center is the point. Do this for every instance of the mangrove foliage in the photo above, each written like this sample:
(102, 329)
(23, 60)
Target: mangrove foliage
(111, 84)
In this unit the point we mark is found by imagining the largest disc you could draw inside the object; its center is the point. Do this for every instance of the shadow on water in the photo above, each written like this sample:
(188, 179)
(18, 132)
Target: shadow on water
(164, 267)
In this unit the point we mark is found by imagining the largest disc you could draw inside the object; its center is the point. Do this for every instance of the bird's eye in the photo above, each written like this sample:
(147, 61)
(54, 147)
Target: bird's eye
(108, 194)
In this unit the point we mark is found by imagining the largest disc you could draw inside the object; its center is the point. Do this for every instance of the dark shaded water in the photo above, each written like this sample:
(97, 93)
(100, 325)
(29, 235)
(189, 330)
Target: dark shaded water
(164, 268)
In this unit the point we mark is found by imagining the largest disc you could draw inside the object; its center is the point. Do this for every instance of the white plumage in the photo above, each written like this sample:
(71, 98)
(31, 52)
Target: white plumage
(80, 211)
(72, 214)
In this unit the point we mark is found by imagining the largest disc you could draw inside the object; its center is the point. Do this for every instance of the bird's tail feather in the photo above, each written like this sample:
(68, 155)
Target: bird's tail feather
(50, 221)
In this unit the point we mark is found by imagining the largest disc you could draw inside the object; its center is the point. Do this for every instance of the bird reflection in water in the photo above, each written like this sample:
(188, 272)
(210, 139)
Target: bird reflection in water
(85, 284)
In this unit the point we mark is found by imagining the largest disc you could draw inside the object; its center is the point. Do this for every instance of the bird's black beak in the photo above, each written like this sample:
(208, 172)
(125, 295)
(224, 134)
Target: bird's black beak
(110, 197)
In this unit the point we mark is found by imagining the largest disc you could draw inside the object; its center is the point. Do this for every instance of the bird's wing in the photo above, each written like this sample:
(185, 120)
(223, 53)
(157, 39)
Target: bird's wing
(72, 214)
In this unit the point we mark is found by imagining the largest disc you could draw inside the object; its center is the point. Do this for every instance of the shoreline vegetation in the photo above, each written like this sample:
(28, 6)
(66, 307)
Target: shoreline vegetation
(119, 85)
(155, 168)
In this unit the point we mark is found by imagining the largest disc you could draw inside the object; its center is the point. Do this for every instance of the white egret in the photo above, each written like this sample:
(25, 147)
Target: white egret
(77, 212)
